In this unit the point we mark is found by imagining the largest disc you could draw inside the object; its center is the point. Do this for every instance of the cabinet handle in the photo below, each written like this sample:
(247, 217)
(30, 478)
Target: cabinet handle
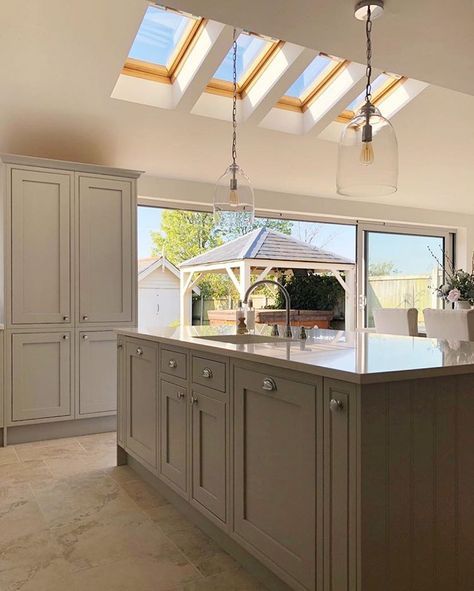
(180, 395)
(85, 317)
(335, 405)
(65, 337)
(139, 351)
(85, 337)
(207, 373)
(194, 400)
(119, 346)
(66, 318)
(172, 363)
(269, 385)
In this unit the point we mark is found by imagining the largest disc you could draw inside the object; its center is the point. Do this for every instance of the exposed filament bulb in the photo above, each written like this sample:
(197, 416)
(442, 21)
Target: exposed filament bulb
(367, 153)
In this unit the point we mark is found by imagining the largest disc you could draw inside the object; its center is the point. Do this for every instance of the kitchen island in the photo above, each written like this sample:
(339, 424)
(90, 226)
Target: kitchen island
(341, 462)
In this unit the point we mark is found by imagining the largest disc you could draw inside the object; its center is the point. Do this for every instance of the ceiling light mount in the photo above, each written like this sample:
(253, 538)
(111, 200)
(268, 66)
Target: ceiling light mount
(376, 9)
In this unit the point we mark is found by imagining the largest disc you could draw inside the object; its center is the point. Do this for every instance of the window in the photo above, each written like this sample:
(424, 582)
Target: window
(315, 78)
(253, 52)
(382, 86)
(161, 43)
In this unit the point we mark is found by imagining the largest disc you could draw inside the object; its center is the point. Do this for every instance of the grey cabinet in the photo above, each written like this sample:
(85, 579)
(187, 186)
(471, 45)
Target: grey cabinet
(104, 214)
(40, 247)
(41, 383)
(97, 386)
(275, 492)
(141, 399)
(174, 435)
(209, 452)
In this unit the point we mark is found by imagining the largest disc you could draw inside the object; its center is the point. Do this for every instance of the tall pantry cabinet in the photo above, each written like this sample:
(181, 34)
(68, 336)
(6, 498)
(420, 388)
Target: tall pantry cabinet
(68, 269)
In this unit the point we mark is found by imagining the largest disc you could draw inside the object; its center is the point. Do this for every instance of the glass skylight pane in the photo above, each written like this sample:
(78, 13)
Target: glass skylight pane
(376, 85)
(299, 88)
(159, 36)
(249, 49)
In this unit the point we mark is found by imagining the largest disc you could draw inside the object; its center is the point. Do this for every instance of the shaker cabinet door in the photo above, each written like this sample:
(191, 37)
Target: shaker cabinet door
(41, 376)
(104, 211)
(40, 247)
(141, 399)
(275, 471)
(97, 373)
(209, 453)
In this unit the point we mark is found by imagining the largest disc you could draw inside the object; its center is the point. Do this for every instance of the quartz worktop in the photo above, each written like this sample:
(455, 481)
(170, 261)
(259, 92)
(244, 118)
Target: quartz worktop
(357, 357)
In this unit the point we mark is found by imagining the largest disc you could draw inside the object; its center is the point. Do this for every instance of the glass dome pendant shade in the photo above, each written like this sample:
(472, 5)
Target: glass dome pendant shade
(368, 150)
(234, 199)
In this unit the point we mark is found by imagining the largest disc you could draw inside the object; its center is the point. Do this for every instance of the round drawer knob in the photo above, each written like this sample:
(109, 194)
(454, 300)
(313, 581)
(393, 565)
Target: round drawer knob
(194, 400)
(85, 337)
(65, 337)
(172, 363)
(179, 395)
(85, 317)
(139, 351)
(269, 385)
(335, 405)
(207, 373)
(66, 318)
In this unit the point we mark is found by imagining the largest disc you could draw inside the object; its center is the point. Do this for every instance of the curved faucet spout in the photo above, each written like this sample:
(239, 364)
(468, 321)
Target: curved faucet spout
(285, 293)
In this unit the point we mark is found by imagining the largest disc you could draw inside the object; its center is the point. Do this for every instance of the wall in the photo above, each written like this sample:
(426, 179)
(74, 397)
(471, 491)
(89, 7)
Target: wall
(178, 193)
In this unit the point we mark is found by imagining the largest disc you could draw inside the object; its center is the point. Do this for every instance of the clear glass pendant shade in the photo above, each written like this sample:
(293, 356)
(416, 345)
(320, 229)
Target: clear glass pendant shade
(368, 156)
(234, 195)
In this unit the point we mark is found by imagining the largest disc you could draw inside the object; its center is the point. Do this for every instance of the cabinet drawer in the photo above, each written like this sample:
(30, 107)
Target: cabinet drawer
(209, 373)
(174, 363)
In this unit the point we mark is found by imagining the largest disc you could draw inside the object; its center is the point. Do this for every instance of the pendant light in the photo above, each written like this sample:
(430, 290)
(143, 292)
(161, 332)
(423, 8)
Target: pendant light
(368, 150)
(233, 195)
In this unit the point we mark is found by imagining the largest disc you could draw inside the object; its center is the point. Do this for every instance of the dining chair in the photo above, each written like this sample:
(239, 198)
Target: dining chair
(449, 324)
(396, 321)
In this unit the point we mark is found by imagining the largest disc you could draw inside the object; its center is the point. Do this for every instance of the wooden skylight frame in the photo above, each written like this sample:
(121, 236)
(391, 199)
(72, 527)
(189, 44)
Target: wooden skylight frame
(390, 86)
(319, 85)
(166, 74)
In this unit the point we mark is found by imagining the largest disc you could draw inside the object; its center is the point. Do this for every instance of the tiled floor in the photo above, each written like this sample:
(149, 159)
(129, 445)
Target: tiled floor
(70, 520)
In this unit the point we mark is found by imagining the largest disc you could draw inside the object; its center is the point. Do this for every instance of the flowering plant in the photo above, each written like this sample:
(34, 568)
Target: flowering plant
(458, 284)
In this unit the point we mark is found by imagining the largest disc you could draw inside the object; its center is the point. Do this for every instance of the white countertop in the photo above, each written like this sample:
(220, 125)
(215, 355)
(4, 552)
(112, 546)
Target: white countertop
(358, 357)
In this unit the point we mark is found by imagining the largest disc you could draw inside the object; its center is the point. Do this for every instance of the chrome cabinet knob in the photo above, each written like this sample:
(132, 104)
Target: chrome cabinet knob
(335, 405)
(207, 373)
(139, 351)
(65, 337)
(194, 400)
(269, 385)
(179, 395)
(85, 317)
(172, 363)
(85, 337)
(66, 318)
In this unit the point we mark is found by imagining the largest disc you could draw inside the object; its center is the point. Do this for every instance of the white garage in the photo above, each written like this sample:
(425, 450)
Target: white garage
(158, 292)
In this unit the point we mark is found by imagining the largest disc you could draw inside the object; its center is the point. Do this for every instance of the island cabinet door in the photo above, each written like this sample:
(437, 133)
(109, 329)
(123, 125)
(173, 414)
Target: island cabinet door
(275, 488)
(141, 399)
(209, 453)
(174, 436)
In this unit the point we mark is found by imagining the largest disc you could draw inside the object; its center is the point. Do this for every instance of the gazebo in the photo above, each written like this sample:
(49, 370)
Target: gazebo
(257, 253)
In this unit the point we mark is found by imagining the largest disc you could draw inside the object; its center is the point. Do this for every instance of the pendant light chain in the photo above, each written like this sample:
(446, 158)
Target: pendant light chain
(368, 70)
(234, 102)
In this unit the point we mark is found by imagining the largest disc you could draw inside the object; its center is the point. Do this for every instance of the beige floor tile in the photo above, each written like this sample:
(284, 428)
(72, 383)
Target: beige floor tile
(237, 580)
(143, 574)
(203, 552)
(120, 474)
(61, 448)
(35, 473)
(144, 495)
(52, 575)
(19, 518)
(169, 519)
(100, 441)
(8, 455)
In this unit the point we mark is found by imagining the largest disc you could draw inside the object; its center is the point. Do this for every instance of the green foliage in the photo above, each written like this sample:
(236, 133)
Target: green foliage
(186, 234)
(311, 292)
(383, 268)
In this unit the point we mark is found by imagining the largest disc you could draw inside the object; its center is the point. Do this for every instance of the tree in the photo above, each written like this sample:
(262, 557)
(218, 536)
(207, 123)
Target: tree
(382, 268)
(234, 225)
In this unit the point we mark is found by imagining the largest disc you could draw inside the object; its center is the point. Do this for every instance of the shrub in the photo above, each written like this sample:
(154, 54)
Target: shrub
(311, 292)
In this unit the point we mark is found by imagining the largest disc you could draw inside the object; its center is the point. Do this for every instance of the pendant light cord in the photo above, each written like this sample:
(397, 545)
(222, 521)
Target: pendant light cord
(368, 70)
(234, 102)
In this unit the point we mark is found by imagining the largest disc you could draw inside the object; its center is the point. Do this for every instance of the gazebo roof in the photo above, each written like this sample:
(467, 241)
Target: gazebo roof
(268, 245)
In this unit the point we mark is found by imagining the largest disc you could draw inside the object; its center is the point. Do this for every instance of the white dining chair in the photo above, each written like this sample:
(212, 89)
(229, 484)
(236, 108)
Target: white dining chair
(455, 325)
(396, 321)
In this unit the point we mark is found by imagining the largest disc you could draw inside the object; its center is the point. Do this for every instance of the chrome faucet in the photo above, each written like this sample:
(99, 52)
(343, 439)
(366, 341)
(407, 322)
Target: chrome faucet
(285, 293)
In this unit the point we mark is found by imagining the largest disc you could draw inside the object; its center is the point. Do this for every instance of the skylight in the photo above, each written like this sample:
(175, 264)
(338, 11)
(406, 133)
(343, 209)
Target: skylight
(381, 86)
(252, 52)
(161, 42)
(311, 82)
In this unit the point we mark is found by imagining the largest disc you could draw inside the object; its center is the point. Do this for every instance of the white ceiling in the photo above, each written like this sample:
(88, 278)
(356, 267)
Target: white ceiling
(60, 61)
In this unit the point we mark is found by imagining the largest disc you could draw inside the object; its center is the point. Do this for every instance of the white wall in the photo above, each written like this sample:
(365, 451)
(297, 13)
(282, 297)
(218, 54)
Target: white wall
(158, 299)
(179, 193)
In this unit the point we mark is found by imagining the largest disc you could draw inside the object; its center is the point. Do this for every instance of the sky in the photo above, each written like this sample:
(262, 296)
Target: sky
(409, 254)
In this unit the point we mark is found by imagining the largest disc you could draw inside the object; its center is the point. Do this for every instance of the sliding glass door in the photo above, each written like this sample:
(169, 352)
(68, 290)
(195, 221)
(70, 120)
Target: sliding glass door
(400, 269)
